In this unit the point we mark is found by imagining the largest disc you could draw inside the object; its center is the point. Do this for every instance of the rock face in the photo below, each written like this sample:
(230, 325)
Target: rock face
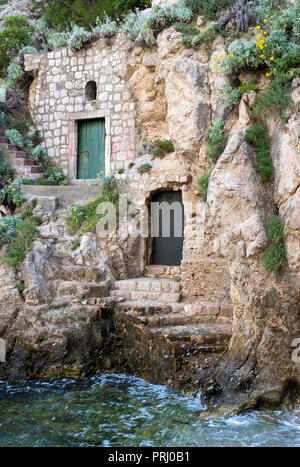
(58, 326)
(258, 370)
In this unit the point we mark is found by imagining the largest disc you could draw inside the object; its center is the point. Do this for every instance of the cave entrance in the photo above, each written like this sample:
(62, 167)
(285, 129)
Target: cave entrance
(167, 227)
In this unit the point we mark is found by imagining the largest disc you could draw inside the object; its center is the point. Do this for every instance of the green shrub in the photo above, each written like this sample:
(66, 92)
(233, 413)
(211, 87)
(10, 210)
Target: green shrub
(275, 97)
(15, 138)
(144, 168)
(12, 193)
(275, 253)
(234, 94)
(14, 72)
(203, 182)
(18, 235)
(210, 9)
(20, 287)
(163, 147)
(39, 156)
(34, 136)
(264, 8)
(158, 152)
(19, 245)
(193, 38)
(85, 12)
(8, 226)
(75, 245)
(142, 27)
(16, 34)
(145, 148)
(2, 119)
(84, 218)
(216, 140)
(55, 174)
(78, 37)
(257, 134)
(106, 28)
(6, 172)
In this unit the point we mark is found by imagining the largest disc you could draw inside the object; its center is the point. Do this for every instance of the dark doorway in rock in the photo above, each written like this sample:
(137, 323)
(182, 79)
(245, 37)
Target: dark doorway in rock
(167, 227)
(91, 91)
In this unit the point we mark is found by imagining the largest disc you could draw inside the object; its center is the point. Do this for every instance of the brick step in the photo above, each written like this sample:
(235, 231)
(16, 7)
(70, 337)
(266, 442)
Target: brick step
(3, 140)
(147, 295)
(147, 284)
(36, 169)
(22, 155)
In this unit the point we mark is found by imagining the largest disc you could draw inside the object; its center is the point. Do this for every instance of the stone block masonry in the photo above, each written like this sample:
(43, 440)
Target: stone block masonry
(58, 101)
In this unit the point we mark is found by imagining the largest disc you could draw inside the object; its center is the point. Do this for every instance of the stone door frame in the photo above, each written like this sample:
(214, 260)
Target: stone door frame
(74, 119)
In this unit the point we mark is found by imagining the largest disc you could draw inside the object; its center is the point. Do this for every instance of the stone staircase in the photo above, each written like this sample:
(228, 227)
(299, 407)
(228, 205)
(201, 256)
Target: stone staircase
(20, 161)
(163, 335)
(157, 290)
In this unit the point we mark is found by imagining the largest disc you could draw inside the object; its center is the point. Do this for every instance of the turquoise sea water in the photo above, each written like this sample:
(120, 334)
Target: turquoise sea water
(119, 410)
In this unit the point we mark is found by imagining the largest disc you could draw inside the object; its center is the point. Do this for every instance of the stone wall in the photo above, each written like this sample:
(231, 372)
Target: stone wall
(58, 102)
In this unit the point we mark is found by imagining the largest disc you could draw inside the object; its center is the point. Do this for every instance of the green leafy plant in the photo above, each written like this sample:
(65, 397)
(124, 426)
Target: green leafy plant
(84, 218)
(234, 95)
(20, 287)
(144, 168)
(210, 9)
(203, 182)
(275, 97)
(145, 148)
(162, 147)
(85, 12)
(6, 172)
(8, 226)
(19, 242)
(16, 34)
(12, 193)
(257, 134)
(216, 140)
(275, 253)
(38, 155)
(75, 245)
(55, 174)
(193, 38)
(15, 138)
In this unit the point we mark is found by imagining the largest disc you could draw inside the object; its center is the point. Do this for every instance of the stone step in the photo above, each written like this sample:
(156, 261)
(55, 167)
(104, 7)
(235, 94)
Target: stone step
(83, 290)
(159, 271)
(148, 284)
(36, 170)
(147, 295)
(177, 341)
(156, 315)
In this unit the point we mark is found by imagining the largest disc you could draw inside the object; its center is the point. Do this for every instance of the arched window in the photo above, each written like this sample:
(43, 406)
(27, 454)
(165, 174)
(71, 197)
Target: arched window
(91, 91)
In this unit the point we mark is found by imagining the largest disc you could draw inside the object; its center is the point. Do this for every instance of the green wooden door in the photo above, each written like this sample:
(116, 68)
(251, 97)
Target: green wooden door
(91, 148)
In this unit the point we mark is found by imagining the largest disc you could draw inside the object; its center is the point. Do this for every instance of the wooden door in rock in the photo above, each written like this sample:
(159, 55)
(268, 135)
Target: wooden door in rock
(167, 227)
(91, 148)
